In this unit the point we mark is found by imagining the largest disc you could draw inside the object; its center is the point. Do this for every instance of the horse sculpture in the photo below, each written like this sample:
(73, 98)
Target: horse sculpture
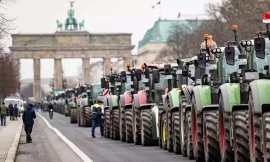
(81, 25)
(59, 25)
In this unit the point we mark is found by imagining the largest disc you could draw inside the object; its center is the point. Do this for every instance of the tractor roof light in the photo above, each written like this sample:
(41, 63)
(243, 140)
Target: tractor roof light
(111, 68)
(206, 36)
(128, 65)
(234, 27)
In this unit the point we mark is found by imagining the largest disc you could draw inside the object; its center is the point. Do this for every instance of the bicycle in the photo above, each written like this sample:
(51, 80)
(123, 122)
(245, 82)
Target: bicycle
(51, 114)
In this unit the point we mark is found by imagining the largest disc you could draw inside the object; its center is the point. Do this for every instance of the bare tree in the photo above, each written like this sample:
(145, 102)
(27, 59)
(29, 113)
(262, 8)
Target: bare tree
(183, 41)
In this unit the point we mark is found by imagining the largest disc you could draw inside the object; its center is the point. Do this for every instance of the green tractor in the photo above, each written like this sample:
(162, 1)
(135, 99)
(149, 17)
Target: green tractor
(145, 107)
(116, 83)
(259, 98)
(68, 95)
(88, 95)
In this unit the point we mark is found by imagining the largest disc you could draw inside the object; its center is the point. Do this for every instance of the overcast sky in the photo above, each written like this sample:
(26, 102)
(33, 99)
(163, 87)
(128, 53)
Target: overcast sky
(132, 16)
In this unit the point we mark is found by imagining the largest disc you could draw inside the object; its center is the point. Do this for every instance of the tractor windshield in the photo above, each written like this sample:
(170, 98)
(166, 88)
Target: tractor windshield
(229, 69)
(258, 64)
(97, 90)
(127, 84)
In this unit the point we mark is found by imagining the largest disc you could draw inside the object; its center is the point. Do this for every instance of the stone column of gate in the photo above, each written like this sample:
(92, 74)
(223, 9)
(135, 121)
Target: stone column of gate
(37, 87)
(86, 70)
(58, 74)
(17, 65)
(125, 61)
(106, 66)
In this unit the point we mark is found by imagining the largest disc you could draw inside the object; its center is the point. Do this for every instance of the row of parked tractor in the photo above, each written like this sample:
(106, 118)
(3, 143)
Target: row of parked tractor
(205, 108)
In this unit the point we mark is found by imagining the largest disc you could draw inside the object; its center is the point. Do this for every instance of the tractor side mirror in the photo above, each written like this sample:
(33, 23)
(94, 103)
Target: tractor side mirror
(103, 83)
(201, 60)
(167, 69)
(138, 74)
(229, 55)
(156, 76)
(259, 45)
(123, 76)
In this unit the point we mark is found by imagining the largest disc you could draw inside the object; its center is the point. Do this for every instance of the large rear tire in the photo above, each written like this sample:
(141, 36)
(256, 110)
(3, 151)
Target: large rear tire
(163, 131)
(240, 136)
(136, 126)
(197, 132)
(88, 117)
(115, 124)
(122, 125)
(266, 131)
(79, 117)
(210, 136)
(188, 135)
(226, 151)
(146, 128)
(169, 132)
(107, 123)
(73, 115)
(254, 133)
(176, 132)
(129, 130)
(182, 128)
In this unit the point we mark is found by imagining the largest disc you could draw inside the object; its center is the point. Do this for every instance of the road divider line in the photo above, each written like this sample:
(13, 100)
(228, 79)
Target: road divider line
(82, 155)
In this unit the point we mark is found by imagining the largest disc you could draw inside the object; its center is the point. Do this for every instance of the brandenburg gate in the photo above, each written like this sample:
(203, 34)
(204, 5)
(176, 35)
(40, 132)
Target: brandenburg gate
(70, 42)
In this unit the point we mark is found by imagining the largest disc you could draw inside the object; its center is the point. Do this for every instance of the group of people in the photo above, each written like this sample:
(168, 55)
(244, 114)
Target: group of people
(12, 111)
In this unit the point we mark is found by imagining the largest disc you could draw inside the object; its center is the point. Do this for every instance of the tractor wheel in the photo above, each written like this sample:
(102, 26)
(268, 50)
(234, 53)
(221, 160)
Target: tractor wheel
(73, 115)
(88, 117)
(122, 125)
(254, 133)
(240, 136)
(211, 139)
(107, 123)
(183, 143)
(136, 126)
(115, 124)
(188, 135)
(169, 132)
(163, 131)
(146, 127)
(79, 117)
(176, 133)
(129, 130)
(266, 131)
(197, 132)
(226, 151)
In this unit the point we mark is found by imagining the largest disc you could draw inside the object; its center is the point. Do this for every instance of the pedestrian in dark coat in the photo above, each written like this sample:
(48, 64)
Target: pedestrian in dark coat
(16, 111)
(3, 113)
(11, 111)
(28, 120)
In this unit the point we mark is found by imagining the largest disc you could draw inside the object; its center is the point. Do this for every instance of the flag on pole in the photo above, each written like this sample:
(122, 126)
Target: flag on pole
(179, 15)
(158, 3)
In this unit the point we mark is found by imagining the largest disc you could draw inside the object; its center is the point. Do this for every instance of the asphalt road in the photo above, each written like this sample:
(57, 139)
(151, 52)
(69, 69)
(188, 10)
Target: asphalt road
(98, 149)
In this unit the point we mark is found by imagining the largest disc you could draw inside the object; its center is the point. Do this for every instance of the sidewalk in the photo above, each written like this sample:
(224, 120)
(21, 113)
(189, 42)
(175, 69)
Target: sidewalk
(9, 139)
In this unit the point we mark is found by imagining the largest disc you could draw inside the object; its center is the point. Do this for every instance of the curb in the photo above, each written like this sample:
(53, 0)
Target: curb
(14, 147)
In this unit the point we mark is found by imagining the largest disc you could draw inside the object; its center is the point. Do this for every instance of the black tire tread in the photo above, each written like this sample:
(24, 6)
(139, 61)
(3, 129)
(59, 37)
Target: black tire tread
(73, 115)
(266, 123)
(176, 134)
(211, 127)
(137, 134)
(146, 128)
(129, 130)
(88, 117)
(107, 123)
(188, 135)
(123, 125)
(115, 124)
(241, 141)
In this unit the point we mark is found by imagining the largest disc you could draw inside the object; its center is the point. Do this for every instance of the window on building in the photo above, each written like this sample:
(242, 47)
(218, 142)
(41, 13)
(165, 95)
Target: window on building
(134, 62)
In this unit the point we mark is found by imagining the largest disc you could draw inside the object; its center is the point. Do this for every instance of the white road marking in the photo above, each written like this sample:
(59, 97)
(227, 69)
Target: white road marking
(82, 155)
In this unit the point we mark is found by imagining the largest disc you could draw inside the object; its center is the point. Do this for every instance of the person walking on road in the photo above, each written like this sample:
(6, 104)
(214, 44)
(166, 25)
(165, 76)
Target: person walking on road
(28, 120)
(11, 111)
(50, 108)
(96, 117)
(16, 111)
(3, 112)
